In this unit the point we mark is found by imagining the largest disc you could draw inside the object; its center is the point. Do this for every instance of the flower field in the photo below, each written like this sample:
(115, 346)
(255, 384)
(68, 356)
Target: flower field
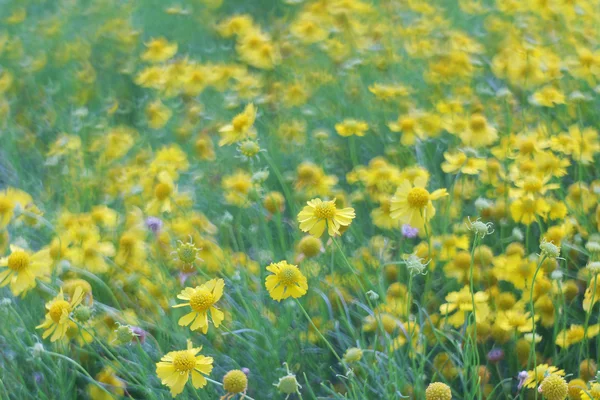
(300, 199)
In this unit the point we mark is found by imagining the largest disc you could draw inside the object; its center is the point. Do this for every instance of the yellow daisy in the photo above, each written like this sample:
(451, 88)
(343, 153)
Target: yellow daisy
(288, 281)
(318, 214)
(23, 268)
(202, 299)
(175, 367)
(57, 317)
(412, 203)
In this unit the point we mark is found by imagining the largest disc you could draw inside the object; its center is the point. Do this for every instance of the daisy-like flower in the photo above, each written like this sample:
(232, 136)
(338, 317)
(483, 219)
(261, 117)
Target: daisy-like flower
(241, 127)
(202, 299)
(537, 375)
(175, 367)
(350, 127)
(9, 200)
(412, 203)
(318, 213)
(23, 268)
(57, 316)
(158, 50)
(287, 281)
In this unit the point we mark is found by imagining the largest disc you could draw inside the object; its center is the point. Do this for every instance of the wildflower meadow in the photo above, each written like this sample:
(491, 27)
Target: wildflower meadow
(299, 199)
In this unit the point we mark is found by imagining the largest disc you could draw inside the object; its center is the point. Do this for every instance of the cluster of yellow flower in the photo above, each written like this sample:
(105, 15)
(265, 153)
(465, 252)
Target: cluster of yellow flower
(404, 189)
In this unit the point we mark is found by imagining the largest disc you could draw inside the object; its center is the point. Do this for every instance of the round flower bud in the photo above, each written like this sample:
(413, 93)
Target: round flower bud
(554, 387)
(587, 370)
(274, 202)
(235, 381)
(310, 246)
(550, 250)
(288, 384)
(575, 387)
(438, 391)
(594, 267)
(124, 334)
(353, 354)
(82, 313)
(249, 148)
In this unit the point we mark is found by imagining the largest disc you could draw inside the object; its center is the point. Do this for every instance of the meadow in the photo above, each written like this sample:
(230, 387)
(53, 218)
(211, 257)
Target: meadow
(299, 199)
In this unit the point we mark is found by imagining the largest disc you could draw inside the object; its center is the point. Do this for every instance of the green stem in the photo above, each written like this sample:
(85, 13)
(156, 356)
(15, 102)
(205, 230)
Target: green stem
(319, 332)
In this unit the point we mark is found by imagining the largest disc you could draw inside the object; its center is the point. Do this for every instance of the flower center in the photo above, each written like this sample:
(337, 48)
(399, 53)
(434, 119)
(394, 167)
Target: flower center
(127, 241)
(5, 205)
(89, 252)
(325, 210)
(18, 261)
(527, 147)
(528, 206)
(532, 185)
(418, 197)
(202, 300)
(56, 310)
(287, 275)
(240, 123)
(184, 361)
(478, 123)
(187, 253)
(162, 191)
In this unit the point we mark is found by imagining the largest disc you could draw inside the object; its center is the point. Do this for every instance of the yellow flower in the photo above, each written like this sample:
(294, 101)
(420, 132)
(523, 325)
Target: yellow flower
(575, 334)
(287, 281)
(158, 114)
(438, 391)
(92, 254)
(350, 127)
(409, 127)
(23, 268)
(202, 299)
(158, 50)
(317, 214)
(462, 303)
(554, 387)
(459, 162)
(536, 376)
(235, 381)
(412, 204)
(164, 190)
(526, 209)
(175, 367)
(111, 381)
(57, 317)
(591, 394)
(9, 200)
(240, 127)
(548, 96)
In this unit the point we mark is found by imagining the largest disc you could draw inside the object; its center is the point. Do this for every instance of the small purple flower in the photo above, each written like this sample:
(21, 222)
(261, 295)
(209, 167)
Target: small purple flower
(522, 377)
(409, 232)
(495, 355)
(154, 224)
(246, 371)
(38, 377)
(139, 333)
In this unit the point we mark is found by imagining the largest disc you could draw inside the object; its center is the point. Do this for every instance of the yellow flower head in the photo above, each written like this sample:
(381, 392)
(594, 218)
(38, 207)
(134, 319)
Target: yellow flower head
(57, 316)
(438, 391)
(319, 214)
(351, 127)
(554, 387)
(287, 281)
(241, 127)
(21, 268)
(175, 368)
(158, 50)
(202, 299)
(412, 203)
